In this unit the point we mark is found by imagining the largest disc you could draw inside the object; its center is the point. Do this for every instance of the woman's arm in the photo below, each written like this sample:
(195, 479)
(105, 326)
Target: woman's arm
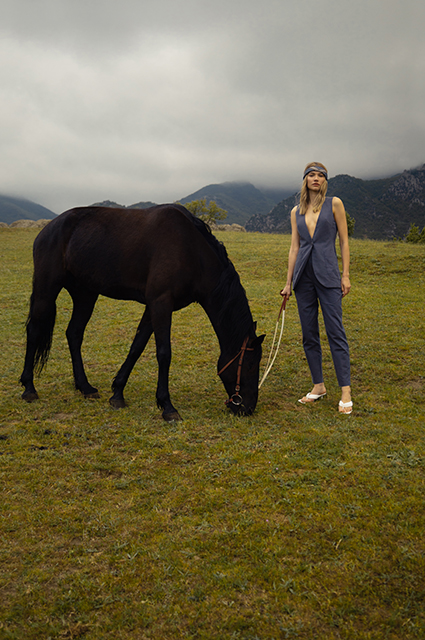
(341, 223)
(293, 252)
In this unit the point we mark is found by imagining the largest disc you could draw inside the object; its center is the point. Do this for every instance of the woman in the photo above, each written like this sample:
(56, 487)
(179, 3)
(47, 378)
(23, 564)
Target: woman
(314, 274)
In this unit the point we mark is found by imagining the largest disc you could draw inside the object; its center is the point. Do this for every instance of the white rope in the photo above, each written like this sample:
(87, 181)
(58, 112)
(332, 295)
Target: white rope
(270, 364)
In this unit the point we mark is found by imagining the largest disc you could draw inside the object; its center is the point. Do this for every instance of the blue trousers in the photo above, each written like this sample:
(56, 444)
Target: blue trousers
(309, 292)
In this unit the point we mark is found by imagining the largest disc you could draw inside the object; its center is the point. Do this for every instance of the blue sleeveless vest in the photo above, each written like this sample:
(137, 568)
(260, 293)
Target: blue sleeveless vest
(321, 247)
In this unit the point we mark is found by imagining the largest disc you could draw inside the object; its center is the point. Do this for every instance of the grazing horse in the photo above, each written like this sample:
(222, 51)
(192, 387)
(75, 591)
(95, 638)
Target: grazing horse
(163, 257)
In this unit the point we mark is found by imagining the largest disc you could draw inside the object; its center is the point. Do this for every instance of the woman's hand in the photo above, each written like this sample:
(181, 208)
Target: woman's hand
(286, 292)
(345, 285)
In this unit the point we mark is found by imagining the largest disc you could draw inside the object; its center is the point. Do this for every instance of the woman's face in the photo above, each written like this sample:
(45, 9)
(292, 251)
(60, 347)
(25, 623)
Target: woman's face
(315, 179)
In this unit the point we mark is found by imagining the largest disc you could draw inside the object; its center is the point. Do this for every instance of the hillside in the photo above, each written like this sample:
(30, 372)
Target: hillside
(241, 200)
(114, 205)
(382, 209)
(12, 209)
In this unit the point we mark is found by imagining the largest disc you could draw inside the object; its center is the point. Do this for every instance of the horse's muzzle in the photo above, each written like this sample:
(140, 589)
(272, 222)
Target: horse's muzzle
(236, 405)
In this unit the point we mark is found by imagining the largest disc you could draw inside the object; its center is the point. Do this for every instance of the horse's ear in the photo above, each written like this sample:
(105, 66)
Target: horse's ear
(258, 341)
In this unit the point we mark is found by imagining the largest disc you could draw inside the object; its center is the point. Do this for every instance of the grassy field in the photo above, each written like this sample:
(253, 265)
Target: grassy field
(296, 522)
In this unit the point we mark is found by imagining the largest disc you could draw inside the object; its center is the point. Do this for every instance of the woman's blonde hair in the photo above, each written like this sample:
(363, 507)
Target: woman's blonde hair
(304, 194)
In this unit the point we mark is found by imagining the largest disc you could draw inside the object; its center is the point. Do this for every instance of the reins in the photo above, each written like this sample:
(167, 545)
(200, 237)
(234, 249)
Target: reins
(236, 398)
(270, 361)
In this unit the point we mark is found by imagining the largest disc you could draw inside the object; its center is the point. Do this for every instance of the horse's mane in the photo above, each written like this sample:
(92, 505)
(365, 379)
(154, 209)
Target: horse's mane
(229, 297)
(206, 232)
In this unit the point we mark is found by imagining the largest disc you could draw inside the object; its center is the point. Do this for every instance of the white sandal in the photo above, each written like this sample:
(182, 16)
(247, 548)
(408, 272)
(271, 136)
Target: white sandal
(346, 405)
(311, 397)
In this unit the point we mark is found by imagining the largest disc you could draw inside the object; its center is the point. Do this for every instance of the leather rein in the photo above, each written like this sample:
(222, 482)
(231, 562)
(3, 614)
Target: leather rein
(236, 397)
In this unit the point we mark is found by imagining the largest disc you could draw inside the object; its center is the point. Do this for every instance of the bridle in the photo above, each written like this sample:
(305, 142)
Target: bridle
(236, 397)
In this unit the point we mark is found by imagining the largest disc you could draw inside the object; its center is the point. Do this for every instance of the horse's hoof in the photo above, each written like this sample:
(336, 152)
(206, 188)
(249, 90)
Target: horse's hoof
(117, 403)
(92, 395)
(172, 417)
(29, 396)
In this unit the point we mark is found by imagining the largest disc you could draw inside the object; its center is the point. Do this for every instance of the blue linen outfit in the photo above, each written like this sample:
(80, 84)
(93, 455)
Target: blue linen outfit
(317, 278)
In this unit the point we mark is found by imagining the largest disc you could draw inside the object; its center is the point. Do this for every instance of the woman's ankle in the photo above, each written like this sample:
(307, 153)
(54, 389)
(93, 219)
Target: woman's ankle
(318, 389)
(345, 394)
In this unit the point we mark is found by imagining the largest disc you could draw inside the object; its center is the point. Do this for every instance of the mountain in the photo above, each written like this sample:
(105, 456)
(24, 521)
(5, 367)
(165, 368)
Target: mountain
(241, 200)
(382, 209)
(12, 209)
(115, 205)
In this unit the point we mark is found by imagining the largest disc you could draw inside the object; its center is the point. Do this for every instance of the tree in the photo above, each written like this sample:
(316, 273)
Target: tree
(209, 213)
(414, 235)
(350, 224)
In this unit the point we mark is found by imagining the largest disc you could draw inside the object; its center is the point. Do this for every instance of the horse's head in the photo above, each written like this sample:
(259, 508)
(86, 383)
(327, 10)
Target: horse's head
(240, 375)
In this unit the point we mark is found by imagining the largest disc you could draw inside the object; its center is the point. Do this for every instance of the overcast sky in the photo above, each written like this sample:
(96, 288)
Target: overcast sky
(153, 99)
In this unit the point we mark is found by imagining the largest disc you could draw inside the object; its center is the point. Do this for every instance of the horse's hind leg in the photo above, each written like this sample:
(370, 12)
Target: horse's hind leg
(143, 333)
(40, 325)
(84, 302)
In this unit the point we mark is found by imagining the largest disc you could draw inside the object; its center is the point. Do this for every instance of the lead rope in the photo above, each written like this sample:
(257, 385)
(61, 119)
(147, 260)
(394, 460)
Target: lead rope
(270, 361)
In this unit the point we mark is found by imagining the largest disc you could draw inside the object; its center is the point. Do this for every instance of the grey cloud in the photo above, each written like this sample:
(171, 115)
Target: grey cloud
(152, 100)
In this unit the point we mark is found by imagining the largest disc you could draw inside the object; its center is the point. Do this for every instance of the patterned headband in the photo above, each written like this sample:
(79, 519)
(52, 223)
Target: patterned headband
(319, 169)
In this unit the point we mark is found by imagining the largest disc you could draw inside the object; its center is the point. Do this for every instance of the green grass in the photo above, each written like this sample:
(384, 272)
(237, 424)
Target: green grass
(293, 523)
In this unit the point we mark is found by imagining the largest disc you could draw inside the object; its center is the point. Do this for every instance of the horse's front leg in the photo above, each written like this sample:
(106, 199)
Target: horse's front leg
(162, 328)
(143, 333)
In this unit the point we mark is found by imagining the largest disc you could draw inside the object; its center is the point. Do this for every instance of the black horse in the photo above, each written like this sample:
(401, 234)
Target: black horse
(163, 257)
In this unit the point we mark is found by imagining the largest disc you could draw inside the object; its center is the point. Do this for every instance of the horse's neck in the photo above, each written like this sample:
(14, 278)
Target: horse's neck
(232, 330)
(228, 310)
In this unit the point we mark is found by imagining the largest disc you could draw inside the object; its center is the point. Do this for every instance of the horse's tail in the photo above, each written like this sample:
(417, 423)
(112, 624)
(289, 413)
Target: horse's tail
(40, 332)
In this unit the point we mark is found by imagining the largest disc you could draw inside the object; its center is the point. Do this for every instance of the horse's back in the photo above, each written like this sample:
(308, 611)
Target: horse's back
(131, 252)
(88, 227)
